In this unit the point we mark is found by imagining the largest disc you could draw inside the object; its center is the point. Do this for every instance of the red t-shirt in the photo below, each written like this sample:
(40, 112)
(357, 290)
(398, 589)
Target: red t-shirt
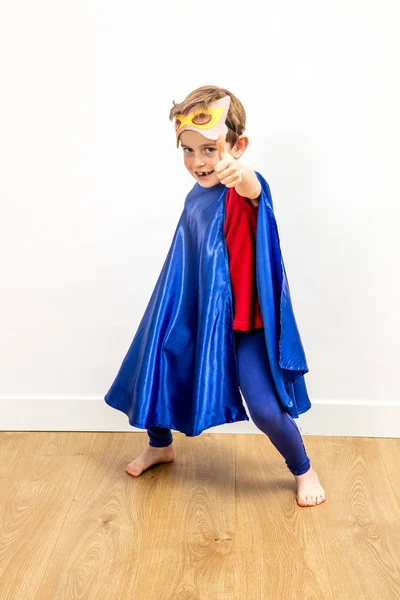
(240, 234)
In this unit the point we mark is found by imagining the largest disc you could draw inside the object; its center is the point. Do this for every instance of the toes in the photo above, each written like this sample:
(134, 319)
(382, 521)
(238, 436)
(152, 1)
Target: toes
(310, 500)
(132, 470)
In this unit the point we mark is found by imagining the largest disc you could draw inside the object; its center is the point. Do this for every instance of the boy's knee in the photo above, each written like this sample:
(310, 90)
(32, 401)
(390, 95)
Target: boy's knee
(267, 420)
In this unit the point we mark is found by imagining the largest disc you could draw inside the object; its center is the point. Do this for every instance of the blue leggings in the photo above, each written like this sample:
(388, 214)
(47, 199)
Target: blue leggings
(258, 389)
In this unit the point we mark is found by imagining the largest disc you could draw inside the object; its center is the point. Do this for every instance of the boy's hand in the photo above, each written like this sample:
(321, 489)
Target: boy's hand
(228, 169)
(233, 174)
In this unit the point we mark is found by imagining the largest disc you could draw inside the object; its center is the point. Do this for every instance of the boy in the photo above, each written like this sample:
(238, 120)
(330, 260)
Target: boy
(220, 315)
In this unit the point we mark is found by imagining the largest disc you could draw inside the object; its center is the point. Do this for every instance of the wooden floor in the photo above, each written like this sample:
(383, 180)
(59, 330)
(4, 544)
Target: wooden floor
(219, 523)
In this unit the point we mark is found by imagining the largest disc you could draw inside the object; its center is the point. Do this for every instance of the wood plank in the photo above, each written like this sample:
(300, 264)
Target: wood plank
(11, 443)
(190, 554)
(35, 497)
(390, 456)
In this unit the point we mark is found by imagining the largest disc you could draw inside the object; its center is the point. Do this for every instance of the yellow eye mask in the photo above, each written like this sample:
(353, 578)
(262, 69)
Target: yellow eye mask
(209, 122)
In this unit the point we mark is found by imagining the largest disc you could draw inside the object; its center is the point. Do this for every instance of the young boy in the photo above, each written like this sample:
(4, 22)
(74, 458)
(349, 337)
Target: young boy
(220, 316)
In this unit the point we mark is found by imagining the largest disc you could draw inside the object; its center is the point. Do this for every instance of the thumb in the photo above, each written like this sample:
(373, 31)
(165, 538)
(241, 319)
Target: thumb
(221, 145)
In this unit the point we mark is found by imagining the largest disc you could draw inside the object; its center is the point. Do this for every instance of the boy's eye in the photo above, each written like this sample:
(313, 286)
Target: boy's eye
(209, 150)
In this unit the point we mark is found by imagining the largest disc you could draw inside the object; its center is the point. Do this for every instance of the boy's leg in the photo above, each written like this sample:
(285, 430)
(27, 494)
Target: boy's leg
(159, 436)
(258, 389)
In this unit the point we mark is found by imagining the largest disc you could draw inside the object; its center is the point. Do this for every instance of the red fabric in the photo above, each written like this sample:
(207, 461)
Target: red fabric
(240, 234)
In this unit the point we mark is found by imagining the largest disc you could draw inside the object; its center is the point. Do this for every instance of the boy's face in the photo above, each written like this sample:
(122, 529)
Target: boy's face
(200, 156)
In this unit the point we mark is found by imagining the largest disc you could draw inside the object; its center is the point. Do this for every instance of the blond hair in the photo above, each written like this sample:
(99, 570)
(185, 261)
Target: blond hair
(202, 97)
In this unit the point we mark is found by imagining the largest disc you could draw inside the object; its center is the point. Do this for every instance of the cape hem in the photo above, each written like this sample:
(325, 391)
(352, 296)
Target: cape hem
(303, 410)
(172, 426)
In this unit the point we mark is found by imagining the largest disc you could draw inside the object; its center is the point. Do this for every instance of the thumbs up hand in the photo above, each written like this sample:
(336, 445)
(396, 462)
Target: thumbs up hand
(234, 174)
(228, 169)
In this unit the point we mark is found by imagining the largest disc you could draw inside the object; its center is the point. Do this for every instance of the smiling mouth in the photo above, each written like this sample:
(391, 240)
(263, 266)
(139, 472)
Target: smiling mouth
(203, 173)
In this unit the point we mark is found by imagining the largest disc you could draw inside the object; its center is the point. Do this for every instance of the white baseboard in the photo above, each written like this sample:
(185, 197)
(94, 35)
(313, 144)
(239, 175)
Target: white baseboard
(326, 417)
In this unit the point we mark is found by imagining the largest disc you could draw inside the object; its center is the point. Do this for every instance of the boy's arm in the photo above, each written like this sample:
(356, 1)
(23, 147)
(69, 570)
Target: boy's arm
(249, 187)
(233, 174)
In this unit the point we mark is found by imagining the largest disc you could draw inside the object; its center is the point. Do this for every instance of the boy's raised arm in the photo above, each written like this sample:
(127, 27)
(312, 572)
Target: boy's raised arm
(232, 173)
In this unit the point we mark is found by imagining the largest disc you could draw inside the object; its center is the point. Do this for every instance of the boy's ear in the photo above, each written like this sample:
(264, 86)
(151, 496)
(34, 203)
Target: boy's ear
(240, 147)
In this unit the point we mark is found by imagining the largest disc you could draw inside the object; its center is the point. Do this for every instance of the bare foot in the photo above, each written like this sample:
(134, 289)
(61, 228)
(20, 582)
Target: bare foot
(309, 489)
(150, 456)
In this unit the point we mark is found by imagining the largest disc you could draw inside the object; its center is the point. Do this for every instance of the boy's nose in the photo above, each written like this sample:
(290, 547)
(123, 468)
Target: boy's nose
(199, 161)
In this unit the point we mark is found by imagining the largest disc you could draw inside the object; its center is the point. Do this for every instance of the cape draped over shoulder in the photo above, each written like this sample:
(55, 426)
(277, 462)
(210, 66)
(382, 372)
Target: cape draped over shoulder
(180, 371)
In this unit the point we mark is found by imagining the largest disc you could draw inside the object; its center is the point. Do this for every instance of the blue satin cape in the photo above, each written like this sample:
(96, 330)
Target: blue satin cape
(180, 371)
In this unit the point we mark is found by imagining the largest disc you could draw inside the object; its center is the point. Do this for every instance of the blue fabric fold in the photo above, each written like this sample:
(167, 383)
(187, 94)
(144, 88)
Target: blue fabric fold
(180, 370)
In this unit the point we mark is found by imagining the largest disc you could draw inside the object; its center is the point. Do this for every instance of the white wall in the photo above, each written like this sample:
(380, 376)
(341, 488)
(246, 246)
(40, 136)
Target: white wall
(92, 186)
